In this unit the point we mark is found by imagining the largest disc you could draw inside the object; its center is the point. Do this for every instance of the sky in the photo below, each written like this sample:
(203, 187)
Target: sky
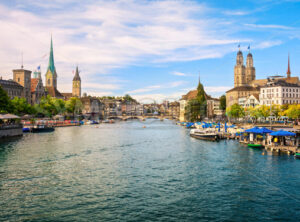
(149, 49)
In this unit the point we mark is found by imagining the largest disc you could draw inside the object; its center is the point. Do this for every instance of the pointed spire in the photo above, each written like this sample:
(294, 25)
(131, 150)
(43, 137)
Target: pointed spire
(51, 66)
(288, 73)
(76, 77)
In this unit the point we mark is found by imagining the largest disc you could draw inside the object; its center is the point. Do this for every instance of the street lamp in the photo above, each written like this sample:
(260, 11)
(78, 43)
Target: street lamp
(270, 98)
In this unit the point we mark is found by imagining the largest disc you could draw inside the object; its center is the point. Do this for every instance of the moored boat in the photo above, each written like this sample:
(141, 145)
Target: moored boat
(205, 134)
(42, 129)
(297, 155)
(253, 145)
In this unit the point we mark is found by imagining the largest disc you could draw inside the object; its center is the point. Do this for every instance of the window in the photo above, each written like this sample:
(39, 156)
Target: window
(48, 81)
(18, 79)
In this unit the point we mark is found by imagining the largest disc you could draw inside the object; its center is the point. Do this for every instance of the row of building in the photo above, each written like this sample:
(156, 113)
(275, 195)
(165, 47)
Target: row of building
(249, 91)
(30, 85)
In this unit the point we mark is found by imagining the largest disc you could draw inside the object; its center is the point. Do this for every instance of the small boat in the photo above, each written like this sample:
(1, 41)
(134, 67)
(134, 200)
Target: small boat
(205, 134)
(26, 129)
(42, 129)
(253, 145)
(297, 155)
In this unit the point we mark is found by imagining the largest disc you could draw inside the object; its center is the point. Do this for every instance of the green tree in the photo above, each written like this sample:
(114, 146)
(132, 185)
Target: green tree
(223, 102)
(60, 106)
(74, 106)
(293, 112)
(21, 107)
(264, 111)
(47, 106)
(235, 111)
(5, 104)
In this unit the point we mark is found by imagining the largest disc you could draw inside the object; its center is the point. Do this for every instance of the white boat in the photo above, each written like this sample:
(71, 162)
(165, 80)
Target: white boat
(205, 134)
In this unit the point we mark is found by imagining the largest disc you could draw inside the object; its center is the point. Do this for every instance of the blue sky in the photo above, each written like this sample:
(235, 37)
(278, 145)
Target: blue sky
(149, 49)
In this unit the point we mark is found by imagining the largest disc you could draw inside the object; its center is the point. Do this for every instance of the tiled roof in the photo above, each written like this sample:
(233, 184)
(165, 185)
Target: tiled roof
(193, 94)
(54, 92)
(10, 83)
(243, 88)
(34, 83)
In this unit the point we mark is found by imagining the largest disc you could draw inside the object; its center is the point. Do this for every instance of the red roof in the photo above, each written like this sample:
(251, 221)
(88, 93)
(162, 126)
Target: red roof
(34, 83)
(53, 92)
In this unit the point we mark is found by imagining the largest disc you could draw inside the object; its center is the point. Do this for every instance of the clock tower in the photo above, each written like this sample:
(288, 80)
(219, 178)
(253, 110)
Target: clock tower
(76, 89)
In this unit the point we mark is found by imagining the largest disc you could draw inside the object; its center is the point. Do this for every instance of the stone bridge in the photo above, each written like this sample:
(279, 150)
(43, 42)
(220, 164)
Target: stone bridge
(124, 118)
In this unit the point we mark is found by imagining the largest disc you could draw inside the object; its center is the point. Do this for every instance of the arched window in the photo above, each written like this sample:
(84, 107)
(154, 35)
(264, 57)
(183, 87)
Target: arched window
(48, 81)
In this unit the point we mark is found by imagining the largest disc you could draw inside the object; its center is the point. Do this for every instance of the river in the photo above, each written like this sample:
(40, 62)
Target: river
(124, 172)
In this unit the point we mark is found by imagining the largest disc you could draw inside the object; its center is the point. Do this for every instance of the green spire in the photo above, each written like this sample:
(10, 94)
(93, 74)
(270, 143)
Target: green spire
(51, 66)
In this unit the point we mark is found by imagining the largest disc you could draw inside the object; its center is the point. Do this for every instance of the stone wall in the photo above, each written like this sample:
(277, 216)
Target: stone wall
(9, 131)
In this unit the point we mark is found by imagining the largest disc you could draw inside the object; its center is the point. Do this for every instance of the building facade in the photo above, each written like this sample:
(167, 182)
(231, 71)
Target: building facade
(23, 77)
(76, 86)
(279, 92)
(12, 88)
(247, 89)
(37, 90)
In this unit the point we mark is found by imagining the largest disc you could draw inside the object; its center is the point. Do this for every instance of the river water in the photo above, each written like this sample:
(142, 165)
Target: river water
(124, 172)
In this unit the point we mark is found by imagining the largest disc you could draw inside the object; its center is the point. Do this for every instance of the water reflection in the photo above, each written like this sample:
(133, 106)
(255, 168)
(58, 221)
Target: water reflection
(123, 171)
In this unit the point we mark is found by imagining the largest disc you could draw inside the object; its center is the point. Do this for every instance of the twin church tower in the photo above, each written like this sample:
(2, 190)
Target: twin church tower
(243, 75)
(51, 78)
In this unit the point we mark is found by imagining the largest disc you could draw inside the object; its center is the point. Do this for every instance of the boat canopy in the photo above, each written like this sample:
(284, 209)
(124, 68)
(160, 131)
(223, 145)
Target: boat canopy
(283, 133)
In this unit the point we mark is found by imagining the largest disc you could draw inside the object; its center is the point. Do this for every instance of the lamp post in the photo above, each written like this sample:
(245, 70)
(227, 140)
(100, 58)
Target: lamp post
(270, 98)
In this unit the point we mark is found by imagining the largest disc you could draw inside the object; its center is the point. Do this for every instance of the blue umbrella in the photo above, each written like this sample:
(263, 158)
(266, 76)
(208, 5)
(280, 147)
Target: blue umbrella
(253, 130)
(283, 133)
(266, 130)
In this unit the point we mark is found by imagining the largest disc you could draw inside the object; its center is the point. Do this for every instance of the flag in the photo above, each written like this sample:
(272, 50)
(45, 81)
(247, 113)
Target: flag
(249, 47)
(239, 45)
(39, 68)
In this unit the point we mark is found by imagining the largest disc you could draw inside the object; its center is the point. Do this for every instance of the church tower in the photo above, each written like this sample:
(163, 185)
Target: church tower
(239, 70)
(288, 73)
(76, 90)
(51, 76)
(250, 70)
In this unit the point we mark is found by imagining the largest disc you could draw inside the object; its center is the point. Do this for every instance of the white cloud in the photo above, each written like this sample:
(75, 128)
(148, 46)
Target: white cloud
(156, 87)
(104, 35)
(179, 74)
(268, 26)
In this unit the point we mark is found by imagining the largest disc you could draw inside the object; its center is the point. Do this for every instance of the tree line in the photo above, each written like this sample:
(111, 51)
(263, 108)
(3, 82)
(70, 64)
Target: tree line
(47, 107)
(292, 111)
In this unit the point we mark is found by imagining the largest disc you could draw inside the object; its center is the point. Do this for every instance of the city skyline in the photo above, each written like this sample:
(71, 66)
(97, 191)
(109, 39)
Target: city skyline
(146, 49)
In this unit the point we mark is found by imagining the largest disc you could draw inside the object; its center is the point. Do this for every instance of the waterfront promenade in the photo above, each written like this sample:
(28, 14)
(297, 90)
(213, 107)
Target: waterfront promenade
(123, 171)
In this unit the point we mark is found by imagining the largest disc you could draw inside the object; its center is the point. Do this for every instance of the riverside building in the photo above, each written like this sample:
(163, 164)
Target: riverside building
(279, 92)
(247, 88)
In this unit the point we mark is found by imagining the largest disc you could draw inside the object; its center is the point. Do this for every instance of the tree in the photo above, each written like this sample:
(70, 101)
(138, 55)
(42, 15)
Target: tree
(223, 102)
(235, 111)
(47, 106)
(21, 107)
(264, 111)
(293, 112)
(60, 106)
(74, 106)
(5, 105)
